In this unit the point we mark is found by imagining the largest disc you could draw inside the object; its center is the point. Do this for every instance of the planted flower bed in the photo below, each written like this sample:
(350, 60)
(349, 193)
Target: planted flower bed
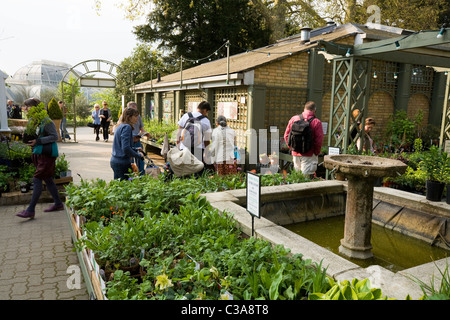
(161, 240)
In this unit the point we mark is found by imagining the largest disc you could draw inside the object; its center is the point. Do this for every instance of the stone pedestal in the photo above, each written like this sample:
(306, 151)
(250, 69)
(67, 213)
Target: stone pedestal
(361, 172)
(358, 219)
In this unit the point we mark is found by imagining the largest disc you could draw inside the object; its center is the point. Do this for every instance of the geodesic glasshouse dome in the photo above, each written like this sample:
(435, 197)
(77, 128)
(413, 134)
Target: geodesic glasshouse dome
(42, 72)
(32, 79)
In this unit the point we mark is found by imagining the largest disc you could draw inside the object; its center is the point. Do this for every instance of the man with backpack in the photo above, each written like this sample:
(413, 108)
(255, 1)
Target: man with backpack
(194, 131)
(304, 136)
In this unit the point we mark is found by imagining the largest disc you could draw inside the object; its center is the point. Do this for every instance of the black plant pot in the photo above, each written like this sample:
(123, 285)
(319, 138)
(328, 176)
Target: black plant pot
(27, 137)
(448, 194)
(434, 190)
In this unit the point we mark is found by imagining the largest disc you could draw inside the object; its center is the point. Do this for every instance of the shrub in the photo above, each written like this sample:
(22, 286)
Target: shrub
(54, 111)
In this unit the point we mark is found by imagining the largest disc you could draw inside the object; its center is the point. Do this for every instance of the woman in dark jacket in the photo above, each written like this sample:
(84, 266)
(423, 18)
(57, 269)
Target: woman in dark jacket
(45, 166)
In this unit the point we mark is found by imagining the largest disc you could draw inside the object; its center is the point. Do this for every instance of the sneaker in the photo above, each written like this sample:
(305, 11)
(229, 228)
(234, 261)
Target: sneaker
(96, 139)
(55, 207)
(106, 140)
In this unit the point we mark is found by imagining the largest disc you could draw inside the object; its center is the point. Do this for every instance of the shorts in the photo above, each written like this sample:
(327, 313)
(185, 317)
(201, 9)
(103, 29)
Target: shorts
(307, 165)
(45, 166)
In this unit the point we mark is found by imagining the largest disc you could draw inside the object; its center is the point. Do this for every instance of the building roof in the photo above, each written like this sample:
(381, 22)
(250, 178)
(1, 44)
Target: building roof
(284, 48)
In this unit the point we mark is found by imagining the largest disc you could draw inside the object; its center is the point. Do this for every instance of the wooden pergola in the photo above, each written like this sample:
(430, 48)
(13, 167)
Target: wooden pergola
(352, 74)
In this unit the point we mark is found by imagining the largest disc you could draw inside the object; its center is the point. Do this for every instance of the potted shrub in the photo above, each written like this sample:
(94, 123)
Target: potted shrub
(55, 113)
(62, 167)
(434, 165)
(36, 116)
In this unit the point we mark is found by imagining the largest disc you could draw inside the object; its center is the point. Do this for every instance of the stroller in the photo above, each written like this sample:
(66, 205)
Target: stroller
(151, 168)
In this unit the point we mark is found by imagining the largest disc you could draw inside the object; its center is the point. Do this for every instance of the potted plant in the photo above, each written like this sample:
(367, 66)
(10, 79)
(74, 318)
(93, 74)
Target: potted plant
(36, 116)
(62, 167)
(434, 165)
(26, 173)
(446, 178)
(5, 178)
(55, 113)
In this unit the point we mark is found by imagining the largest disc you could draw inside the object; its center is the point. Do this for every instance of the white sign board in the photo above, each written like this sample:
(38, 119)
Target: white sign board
(254, 194)
(334, 151)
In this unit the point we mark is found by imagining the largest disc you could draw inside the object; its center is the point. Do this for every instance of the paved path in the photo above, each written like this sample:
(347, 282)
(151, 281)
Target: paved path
(36, 257)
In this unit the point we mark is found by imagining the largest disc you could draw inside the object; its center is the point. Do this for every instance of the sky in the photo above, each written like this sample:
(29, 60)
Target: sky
(68, 31)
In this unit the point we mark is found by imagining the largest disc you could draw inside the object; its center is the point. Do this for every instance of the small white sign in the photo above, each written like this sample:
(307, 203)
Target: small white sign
(332, 151)
(254, 194)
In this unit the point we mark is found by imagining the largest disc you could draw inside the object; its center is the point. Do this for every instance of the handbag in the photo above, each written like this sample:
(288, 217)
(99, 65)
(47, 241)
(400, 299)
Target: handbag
(90, 125)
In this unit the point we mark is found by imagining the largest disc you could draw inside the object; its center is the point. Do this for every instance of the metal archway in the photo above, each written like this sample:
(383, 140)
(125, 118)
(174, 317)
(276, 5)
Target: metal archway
(73, 76)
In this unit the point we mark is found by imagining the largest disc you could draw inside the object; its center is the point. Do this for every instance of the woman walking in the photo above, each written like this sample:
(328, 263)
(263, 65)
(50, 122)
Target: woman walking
(44, 163)
(105, 115)
(96, 117)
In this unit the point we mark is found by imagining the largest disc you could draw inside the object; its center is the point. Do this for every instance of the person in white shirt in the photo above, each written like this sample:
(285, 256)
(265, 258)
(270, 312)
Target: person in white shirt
(222, 148)
(201, 114)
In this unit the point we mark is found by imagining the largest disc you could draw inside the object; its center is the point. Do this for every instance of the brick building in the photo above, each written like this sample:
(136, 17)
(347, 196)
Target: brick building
(265, 87)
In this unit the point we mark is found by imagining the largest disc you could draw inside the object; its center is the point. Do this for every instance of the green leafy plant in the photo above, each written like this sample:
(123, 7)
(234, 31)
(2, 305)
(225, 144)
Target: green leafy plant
(26, 172)
(158, 129)
(186, 249)
(61, 165)
(346, 290)
(435, 164)
(14, 150)
(36, 116)
(6, 176)
(54, 111)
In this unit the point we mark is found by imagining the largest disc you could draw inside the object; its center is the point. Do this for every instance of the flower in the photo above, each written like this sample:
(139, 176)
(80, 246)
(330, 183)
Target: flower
(163, 282)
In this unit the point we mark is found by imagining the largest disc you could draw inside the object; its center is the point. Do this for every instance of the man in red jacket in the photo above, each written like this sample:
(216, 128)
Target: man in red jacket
(307, 162)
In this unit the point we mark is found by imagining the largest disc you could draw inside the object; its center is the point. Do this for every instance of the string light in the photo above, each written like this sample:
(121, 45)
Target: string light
(441, 32)
(348, 53)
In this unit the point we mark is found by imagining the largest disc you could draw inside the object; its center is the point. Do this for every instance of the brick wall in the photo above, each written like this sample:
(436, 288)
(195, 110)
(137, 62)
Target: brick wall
(381, 109)
(289, 72)
(418, 102)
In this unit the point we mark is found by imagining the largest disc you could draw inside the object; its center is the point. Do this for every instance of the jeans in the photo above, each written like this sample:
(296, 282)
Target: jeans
(105, 128)
(121, 171)
(62, 127)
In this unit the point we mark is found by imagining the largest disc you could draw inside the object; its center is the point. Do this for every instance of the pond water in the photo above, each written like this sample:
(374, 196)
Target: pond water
(392, 250)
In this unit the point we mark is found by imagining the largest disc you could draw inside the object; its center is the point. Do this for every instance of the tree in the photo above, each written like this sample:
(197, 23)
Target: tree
(197, 28)
(141, 66)
(407, 14)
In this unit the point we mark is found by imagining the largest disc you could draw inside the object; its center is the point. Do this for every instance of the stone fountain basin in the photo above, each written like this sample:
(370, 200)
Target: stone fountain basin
(364, 166)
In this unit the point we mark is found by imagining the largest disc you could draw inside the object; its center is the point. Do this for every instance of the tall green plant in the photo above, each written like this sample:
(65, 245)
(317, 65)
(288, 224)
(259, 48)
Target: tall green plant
(53, 110)
(435, 164)
(36, 116)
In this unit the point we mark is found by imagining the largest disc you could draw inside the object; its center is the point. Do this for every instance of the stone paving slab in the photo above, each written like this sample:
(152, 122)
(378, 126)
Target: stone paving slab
(37, 257)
